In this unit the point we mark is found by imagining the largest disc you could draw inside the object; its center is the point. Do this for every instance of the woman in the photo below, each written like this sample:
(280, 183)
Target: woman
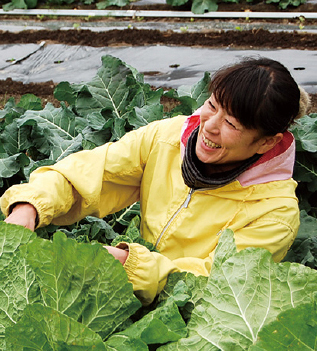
(229, 165)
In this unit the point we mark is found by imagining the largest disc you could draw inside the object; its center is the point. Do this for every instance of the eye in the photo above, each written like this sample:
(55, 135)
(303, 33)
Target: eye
(231, 124)
(211, 105)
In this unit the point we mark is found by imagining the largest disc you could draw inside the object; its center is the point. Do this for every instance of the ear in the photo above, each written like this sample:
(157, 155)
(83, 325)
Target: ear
(267, 143)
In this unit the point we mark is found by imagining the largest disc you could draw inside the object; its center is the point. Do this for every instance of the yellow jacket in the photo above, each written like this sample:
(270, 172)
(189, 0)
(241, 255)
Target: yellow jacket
(184, 224)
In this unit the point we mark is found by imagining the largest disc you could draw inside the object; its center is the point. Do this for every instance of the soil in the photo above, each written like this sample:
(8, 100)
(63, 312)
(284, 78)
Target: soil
(257, 38)
(245, 39)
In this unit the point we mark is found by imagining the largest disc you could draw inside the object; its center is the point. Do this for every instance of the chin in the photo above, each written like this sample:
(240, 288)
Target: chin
(203, 158)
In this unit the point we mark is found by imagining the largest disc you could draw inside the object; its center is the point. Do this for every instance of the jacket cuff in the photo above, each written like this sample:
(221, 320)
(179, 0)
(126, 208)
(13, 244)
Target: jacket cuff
(12, 197)
(141, 268)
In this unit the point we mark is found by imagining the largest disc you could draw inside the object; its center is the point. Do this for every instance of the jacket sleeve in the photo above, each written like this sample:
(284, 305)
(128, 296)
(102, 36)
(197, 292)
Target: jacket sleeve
(95, 182)
(148, 271)
(270, 232)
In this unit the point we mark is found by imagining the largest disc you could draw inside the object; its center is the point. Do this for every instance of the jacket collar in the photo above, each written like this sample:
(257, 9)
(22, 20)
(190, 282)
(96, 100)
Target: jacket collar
(276, 164)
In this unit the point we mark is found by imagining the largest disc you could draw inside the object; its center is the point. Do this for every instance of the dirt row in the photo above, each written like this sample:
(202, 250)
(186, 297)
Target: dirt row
(257, 38)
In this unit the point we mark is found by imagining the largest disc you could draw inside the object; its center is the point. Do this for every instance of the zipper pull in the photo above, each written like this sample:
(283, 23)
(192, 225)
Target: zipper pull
(189, 196)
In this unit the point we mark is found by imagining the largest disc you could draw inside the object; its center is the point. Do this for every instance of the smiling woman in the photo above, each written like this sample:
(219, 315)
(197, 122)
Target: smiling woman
(223, 143)
(229, 165)
(239, 130)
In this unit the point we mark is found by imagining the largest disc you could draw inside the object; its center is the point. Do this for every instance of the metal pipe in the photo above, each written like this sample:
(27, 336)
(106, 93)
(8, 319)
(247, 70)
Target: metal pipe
(156, 14)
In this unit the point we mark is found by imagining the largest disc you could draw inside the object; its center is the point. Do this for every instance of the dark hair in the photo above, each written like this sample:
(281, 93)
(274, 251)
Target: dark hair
(259, 92)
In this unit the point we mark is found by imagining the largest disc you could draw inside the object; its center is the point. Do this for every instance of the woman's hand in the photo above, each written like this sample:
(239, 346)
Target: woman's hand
(23, 214)
(119, 254)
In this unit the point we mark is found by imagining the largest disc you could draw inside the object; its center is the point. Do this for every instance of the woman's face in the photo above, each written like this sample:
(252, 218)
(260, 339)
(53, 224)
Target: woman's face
(222, 140)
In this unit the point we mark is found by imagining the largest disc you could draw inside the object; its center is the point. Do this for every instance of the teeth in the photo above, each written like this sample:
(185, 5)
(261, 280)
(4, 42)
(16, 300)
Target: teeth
(210, 143)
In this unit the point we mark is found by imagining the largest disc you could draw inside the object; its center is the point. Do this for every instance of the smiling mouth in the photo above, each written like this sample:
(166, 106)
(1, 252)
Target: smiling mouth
(210, 143)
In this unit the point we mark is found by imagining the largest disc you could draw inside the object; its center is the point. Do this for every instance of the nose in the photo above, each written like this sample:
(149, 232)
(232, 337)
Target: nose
(212, 124)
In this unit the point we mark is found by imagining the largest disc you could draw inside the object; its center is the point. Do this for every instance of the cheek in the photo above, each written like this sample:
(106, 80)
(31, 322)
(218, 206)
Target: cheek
(202, 117)
(204, 113)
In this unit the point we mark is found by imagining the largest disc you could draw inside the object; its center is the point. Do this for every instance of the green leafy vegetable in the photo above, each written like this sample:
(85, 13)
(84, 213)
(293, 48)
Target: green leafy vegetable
(160, 326)
(53, 131)
(304, 131)
(11, 165)
(116, 99)
(82, 281)
(186, 290)
(190, 97)
(44, 328)
(30, 102)
(245, 293)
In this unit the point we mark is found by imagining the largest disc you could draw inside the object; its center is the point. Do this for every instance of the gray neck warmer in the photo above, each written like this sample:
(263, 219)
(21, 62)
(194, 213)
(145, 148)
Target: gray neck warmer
(193, 169)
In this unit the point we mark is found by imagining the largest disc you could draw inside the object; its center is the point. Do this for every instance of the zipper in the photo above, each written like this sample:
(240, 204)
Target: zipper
(183, 205)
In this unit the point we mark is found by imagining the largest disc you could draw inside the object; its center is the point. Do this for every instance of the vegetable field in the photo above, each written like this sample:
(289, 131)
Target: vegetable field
(60, 290)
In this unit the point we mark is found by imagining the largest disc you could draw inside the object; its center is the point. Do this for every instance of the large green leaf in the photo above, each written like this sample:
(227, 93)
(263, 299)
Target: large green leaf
(98, 122)
(160, 326)
(186, 290)
(108, 90)
(59, 121)
(10, 111)
(54, 131)
(190, 97)
(11, 165)
(82, 281)
(65, 91)
(116, 94)
(199, 91)
(30, 102)
(14, 139)
(305, 131)
(45, 329)
(305, 170)
(146, 114)
(66, 147)
(247, 292)
(93, 138)
(142, 94)
(294, 329)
